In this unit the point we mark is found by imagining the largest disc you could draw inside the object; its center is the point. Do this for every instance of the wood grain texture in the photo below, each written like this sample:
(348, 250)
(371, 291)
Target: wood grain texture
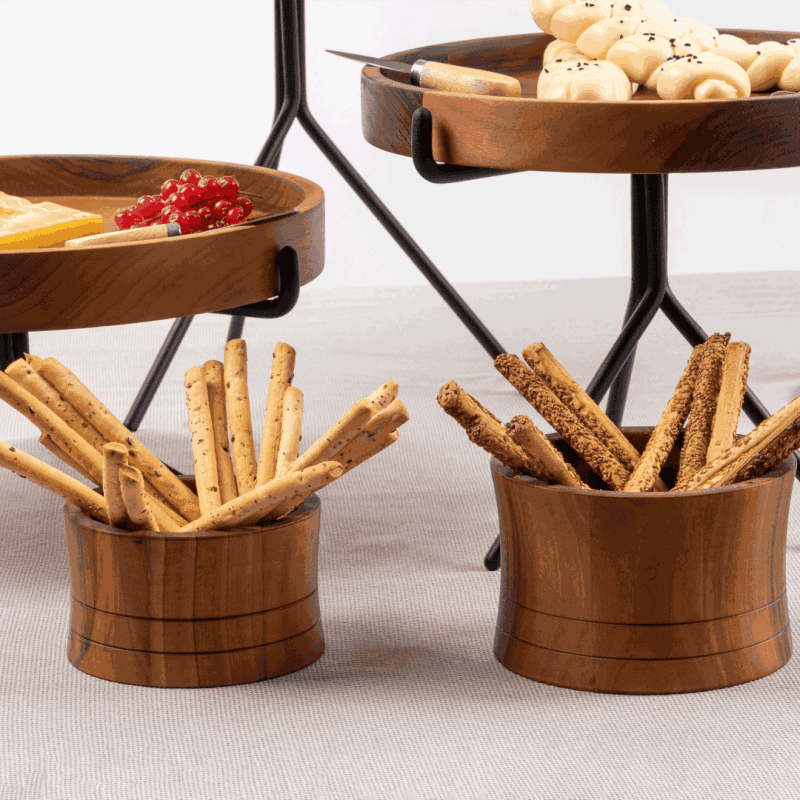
(171, 609)
(692, 594)
(643, 136)
(57, 288)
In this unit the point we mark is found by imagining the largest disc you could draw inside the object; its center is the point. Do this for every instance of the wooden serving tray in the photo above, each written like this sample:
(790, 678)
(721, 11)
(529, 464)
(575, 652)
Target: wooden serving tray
(646, 135)
(58, 288)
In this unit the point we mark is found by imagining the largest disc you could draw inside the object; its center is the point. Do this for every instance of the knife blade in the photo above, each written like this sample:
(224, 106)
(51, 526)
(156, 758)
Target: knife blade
(158, 232)
(446, 77)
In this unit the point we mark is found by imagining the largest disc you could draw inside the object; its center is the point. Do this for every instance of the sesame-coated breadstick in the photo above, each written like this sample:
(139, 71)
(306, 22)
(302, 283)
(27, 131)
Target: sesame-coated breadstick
(570, 428)
(213, 372)
(279, 380)
(237, 400)
(732, 387)
(772, 455)
(202, 432)
(291, 429)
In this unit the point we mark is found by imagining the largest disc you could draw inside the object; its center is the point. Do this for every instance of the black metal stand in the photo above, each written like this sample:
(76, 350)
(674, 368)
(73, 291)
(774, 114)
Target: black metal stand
(291, 104)
(12, 347)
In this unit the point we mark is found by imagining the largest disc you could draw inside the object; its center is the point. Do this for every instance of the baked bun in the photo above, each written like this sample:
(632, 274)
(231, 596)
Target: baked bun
(774, 66)
(583, 80)
(639, 55)
(703, 77)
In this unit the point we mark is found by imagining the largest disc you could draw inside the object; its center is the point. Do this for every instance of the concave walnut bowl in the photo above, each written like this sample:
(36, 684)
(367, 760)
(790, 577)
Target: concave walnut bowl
(194, 609)
(645, 593)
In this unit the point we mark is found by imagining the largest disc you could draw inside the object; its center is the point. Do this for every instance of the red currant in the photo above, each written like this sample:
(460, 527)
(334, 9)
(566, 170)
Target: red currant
(191, 176)
(178, 200)
(181, 219)
(245, 205)
(209, 187)
(229, 187)
(195, 220)
(220, 208)
(234, 215)
(126, 217)
(149, 206)
(166, 212)
(208, 226)
(168, 187)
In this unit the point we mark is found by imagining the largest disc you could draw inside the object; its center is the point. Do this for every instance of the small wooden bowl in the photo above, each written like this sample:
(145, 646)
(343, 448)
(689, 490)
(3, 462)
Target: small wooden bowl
(57, 288)
(645, 135)
(188, 610)
(650, 593)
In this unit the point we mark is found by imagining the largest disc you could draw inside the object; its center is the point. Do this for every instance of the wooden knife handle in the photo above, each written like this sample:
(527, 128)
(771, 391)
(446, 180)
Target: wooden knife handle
(116, 237)
(452, 78)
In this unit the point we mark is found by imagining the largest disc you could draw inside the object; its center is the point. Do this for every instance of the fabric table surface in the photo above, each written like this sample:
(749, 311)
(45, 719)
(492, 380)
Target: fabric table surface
(408, 702)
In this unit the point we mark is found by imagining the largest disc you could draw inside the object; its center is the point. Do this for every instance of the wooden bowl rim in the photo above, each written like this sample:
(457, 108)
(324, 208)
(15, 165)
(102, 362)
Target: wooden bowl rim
(311, 505)
(373, 73)
(775, 474)
(313, 194)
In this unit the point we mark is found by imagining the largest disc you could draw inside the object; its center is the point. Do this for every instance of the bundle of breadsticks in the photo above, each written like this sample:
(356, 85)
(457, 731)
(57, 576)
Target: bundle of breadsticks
(235, 486)
(708, 400)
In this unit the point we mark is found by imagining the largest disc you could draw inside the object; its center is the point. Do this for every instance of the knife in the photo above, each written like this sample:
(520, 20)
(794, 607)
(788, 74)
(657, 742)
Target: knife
(158, 232)
(446, 77)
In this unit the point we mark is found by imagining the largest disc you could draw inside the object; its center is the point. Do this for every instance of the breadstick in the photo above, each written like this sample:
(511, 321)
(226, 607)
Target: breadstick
(550, 463)
(131, 485)
(202, 432)
(263, 499)
(569, 392)
(24, 373)
(738, 456)
(665, 433)
(237, 399)
(279, 380)
(116, 456)
(383, 396)
(291, 430)
(71, 489)
(50, 445)
(213, 372)
(772, 455)
(44, 418)
(483, 428)
(704, 402)
(378, 444)
(92, 410)
(33, 361)
(336, 437)
(384, 422)
(569, 427)
(732, 386)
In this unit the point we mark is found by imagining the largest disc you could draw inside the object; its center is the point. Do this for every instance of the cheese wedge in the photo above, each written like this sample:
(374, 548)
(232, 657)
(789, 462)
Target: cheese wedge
(25, 225)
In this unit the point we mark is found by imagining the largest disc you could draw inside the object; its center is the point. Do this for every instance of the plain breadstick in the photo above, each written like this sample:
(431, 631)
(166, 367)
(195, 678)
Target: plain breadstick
(202, 433)
(24, 373)
(564, 386)
(213, 372)
(336, 437)
(115, 456)
(91, 409)
(732, 387)
(279, 380)
(383, 423)
(244, 509)
(291, 430)
(50, 445)
(131, 485)
(237, 400)
(58, 482)
(383, 396)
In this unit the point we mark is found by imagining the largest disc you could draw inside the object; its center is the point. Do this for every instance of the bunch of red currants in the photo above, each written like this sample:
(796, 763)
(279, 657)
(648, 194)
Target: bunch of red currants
(195, 202)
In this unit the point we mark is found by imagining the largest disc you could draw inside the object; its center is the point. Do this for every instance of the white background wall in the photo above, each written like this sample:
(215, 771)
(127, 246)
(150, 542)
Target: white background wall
(195, 79)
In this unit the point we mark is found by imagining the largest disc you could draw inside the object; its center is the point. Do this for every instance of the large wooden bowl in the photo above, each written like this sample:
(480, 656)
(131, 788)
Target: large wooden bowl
(59, 288)
(190, 610)
(643, 593)
(646, 135)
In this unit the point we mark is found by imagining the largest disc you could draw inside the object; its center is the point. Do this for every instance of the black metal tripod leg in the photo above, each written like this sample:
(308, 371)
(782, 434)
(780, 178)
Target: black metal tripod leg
(157, 371)
(12, 347)
(618, 393)
(694, 334)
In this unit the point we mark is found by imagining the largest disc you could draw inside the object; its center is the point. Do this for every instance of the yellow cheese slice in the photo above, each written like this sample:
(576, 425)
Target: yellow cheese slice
(25, 225)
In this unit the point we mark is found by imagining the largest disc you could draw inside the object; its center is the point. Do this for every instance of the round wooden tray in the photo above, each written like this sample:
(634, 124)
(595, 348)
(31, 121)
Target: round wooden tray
(58, 288)
(643, 136)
